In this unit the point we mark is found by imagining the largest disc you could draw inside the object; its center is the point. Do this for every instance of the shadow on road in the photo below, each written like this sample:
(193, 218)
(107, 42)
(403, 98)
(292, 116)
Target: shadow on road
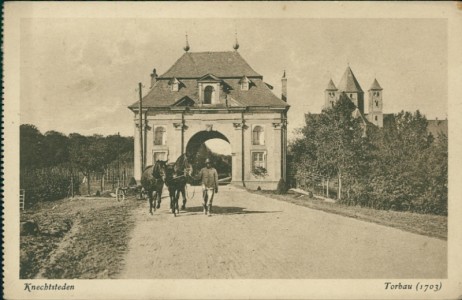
(228, 210)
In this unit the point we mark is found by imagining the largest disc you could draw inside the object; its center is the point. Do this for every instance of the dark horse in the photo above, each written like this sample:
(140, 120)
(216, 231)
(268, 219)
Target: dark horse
(152, 181)
(177, 175)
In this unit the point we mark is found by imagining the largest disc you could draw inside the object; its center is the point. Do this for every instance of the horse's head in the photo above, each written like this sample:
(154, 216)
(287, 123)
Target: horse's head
(188, 169)
(160, 169)
(183, 166)
(170, 172)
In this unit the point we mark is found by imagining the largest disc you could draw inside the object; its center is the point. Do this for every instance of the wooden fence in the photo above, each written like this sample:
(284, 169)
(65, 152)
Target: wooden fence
(116, 175)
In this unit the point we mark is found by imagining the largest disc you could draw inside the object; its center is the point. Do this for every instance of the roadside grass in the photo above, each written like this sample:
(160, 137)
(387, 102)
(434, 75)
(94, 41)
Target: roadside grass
(429, 225)
(83, 237)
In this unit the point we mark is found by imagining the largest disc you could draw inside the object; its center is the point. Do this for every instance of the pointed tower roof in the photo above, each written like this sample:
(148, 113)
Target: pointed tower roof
(375, 85)
(348, 83)
(331, 86)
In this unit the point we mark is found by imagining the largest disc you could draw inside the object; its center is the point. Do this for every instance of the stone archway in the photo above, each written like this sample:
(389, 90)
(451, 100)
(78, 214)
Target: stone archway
(195, 148)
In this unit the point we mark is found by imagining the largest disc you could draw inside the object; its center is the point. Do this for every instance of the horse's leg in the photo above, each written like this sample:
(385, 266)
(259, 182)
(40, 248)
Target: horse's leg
(159, 194)
(157, 198)
(172, 201)
(171, 194)
(183, 193)
(153, 195)
(177, 197)
(150, 198)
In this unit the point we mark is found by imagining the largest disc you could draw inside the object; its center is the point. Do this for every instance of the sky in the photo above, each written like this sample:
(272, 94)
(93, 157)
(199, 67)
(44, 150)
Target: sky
(79, 75)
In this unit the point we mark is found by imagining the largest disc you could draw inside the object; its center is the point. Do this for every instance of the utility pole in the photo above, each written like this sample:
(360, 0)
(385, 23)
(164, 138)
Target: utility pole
(145, 138)
(118, 160)
(140, 113)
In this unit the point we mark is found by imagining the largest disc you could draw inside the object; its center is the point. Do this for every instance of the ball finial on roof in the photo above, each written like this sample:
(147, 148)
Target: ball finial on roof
(186, 47)
(236, 43)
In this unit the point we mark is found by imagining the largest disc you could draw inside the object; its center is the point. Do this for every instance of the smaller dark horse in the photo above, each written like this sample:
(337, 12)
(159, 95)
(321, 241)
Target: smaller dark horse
(177, 175)
(152, 181)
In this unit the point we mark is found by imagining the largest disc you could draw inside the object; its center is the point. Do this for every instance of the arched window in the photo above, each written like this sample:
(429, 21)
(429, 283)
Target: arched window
(159, 136)
(208, 94)
(376, 103)
(258, 136)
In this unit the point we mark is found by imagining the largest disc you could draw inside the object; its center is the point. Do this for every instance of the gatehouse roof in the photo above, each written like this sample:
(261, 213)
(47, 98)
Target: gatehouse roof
(228, 67)
(259, 94)
(221, 64)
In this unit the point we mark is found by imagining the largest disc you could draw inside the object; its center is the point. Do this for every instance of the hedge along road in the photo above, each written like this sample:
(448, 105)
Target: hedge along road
(252, 236)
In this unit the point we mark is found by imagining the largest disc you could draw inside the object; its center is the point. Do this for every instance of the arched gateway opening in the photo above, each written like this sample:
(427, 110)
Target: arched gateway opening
(215, 146)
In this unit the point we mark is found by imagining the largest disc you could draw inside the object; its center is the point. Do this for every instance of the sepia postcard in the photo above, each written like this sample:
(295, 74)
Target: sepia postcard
(232, 150)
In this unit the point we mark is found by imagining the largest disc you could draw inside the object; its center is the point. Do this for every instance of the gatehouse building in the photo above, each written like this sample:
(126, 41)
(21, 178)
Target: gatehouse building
(208, 95)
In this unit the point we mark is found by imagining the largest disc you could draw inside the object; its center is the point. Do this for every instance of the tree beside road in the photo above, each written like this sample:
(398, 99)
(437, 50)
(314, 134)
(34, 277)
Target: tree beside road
(50, 162)
(400, 166)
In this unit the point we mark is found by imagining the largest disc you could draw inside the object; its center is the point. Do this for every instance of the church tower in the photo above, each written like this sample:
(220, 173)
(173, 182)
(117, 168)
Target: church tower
(375, 114)
(330, 95)
(350, 85)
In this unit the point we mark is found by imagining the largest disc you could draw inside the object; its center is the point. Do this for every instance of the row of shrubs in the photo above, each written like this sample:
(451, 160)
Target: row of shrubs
(397, 198)
(46, 185)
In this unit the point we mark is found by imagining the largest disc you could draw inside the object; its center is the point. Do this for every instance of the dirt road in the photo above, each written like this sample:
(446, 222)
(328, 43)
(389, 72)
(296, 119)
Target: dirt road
(252, 236)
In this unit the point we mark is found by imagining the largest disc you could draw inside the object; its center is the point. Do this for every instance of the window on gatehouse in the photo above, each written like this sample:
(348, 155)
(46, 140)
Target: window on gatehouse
(258, 160)
(159, 156)
(258, 136)
(175, 87)
(245, 83)
(159, 136)
(208, 94)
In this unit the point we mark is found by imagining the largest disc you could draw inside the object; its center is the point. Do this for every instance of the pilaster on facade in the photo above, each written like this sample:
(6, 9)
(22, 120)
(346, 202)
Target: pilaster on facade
(278, 125)
(147, 127)
(240, 125)
(180, 126)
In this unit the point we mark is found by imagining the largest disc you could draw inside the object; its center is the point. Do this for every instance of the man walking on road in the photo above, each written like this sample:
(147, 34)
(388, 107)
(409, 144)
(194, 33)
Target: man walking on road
(209, 180)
